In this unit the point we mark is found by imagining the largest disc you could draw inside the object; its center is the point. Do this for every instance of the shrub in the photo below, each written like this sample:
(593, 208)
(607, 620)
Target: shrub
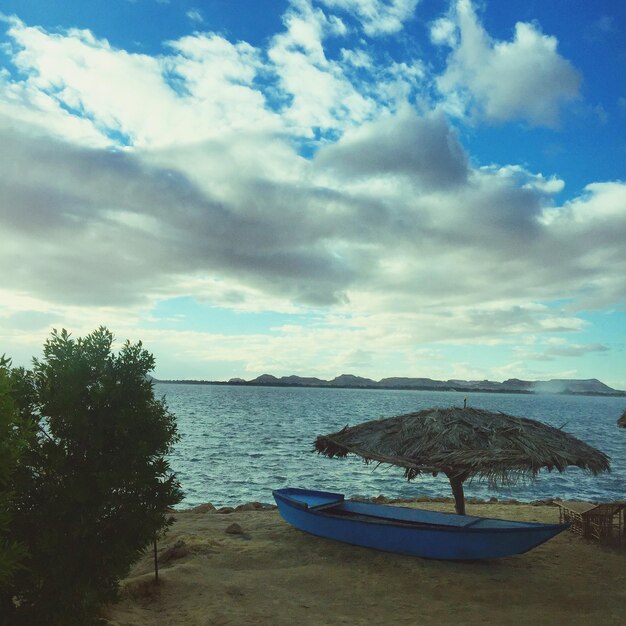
(95, 487)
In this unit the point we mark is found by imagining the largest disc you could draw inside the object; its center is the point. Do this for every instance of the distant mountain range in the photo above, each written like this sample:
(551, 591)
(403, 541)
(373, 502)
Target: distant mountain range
(512, 385)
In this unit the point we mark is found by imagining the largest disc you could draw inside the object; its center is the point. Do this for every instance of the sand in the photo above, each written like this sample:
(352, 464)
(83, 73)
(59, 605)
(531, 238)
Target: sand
(271, 573)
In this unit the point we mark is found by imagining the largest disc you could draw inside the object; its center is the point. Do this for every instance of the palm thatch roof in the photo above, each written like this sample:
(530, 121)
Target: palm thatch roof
(464, 443)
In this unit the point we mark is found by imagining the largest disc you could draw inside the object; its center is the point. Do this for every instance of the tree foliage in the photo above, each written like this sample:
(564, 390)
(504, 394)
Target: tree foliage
(95, 487)
(12, 444)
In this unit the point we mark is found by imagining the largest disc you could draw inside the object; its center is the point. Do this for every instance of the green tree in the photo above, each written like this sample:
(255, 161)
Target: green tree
(12, 444)
(96, 488)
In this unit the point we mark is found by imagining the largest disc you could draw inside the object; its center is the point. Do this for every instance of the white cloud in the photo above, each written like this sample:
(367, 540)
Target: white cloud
(195, 16)
(391, 234)
(602, 204)
(377, 17)
(27, 105)
(443, 31)
(69, 70)
(523, 79)
(203, 90)
(204, 87)
(601, 210)
(322, 96)
(357, 58)
(528, 180)
(381, 232)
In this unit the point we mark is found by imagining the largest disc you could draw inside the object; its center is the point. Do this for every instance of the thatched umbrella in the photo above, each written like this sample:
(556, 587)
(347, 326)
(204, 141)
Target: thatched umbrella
(464, 443)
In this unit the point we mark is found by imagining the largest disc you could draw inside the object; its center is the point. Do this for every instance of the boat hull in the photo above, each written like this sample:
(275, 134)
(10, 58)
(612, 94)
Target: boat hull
(409, 531)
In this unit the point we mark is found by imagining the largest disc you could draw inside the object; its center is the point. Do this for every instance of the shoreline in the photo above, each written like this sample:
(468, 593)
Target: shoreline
(382, 499)
(245, 565)
(617, 393)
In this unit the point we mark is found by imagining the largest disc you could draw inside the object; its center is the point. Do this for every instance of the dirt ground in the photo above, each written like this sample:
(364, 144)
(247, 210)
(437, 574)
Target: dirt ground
(266, 572)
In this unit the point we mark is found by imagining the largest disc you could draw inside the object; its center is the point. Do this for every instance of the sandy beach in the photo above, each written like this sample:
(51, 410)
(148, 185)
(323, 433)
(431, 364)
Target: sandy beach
(263, 571)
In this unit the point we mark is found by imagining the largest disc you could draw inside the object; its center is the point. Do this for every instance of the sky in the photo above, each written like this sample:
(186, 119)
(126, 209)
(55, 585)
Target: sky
(383, 188)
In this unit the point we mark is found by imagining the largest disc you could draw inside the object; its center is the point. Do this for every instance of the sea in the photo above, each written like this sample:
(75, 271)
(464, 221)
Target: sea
(238, 443)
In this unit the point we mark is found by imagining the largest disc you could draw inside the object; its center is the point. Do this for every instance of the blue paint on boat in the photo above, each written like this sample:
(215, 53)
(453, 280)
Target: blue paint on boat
(417, 532)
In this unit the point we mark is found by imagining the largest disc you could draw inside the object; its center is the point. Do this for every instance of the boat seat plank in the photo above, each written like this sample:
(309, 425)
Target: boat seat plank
(325, 505)
(472, 523)
(410, 515)
(313, 499)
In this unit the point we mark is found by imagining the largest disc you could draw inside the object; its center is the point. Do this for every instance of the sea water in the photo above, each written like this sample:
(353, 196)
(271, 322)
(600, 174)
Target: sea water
(240, 442)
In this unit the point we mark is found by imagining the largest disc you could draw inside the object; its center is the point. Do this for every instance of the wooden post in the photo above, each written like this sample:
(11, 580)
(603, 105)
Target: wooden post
(156, 562)
(456, 482)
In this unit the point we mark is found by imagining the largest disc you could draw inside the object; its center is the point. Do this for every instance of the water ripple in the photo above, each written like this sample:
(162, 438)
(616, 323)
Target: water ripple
(239, 443)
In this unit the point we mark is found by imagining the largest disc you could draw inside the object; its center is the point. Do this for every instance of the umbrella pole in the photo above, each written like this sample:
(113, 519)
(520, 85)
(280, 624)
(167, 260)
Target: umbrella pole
(456, 482)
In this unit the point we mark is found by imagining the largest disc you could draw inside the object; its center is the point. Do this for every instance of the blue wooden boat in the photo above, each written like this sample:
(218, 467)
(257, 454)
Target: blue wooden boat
(405, 530)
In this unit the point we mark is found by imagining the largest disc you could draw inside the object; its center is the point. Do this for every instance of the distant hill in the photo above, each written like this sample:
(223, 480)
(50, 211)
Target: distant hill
(513, 385)
(348, 380)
